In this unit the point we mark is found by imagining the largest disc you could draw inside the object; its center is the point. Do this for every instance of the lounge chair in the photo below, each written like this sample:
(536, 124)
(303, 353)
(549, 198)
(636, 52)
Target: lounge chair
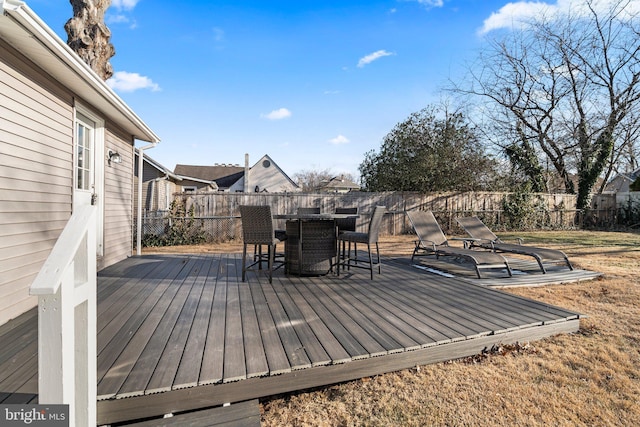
(483, 237)
(432, 241)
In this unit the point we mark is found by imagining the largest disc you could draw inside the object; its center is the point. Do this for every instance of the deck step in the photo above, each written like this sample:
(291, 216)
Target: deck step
(242, 414)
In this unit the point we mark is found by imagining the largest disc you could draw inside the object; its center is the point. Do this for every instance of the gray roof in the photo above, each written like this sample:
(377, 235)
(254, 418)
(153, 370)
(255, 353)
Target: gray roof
(224, 176)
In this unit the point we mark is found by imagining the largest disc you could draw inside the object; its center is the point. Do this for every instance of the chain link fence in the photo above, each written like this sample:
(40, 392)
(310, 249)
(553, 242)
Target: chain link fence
(161, 229)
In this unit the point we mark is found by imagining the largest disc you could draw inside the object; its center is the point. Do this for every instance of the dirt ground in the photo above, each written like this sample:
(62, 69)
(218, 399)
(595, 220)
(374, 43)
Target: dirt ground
(590, 378)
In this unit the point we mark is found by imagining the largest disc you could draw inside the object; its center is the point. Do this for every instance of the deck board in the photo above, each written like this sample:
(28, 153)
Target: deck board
(340, 311)
(183, 332)
(339, 337)
(179, 317)
(145, 346)
(312, 345)
(255, 357)
(242, 414)
(383, 331)
(124, 348)
(235, 366)
(331, 344)
(213, 357)
(293, 348)
(188, 373)
(120, 295)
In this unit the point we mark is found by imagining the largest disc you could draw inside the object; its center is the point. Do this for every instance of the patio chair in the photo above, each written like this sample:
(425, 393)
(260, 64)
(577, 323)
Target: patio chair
(306, 211)
(257, 230)
(483, 237)
(369, 238)
(432, 241)
(346, 224)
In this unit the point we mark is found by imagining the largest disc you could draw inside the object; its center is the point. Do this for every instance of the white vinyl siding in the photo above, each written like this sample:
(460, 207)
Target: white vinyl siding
(118, 200)
(36, 127)
(37, 179)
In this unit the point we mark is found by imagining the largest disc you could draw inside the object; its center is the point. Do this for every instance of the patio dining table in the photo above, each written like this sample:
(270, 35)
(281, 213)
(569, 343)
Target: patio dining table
(311, 242)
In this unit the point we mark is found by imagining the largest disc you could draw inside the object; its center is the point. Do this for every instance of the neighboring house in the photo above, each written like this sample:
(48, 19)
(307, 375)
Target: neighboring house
(264, 176)
(66, 140)
(338, 184)
(622, 182)
(158, 185)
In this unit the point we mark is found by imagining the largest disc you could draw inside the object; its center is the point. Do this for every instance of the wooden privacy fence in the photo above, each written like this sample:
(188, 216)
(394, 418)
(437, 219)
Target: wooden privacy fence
(220, 215)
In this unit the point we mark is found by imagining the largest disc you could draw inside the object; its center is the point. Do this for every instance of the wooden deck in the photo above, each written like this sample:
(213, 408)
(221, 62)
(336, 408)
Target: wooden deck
(182, 332)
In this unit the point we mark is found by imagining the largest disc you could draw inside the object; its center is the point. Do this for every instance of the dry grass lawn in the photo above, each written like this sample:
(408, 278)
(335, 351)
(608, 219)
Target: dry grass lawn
(590, 378)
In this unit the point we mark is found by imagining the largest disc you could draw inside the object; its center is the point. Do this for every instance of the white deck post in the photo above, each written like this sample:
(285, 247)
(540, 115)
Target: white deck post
(86, 333)
(56, 365)
(67, 342)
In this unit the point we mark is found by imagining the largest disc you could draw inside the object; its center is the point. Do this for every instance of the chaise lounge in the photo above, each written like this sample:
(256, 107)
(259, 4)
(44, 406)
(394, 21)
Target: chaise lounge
(485, 238)
(432, 241)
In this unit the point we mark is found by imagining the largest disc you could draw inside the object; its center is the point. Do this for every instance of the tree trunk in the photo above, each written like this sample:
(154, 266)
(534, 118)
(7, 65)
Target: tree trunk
(89, 37)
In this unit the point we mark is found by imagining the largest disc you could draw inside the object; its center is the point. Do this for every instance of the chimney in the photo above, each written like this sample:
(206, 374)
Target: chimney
(246, 172)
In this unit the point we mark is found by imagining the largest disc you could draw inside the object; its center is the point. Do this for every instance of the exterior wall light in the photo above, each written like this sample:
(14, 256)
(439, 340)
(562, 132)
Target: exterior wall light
(113, 156)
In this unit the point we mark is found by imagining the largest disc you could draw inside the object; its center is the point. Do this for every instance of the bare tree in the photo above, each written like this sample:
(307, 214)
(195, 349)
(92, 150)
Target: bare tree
(568, 88)
(89, 37)
(311, 179)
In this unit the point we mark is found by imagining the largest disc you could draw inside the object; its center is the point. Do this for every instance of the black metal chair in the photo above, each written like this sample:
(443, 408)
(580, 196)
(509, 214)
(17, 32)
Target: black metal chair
(369, 238)
(257, 230)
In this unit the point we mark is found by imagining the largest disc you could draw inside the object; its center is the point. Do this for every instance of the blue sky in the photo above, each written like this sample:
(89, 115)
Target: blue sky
(314, 84)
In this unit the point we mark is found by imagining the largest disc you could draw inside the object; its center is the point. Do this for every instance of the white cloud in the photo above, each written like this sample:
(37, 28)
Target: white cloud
(339, 140)
(279, 114)
(116, 14)
(516, 14)
(368, 59)
(117, 19)
(124, 4)
(429, 3)
(121, 19)
(129, 82)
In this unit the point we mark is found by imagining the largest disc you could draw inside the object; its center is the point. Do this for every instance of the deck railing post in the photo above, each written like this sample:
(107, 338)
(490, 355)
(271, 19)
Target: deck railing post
(56, 372)
(66, 289)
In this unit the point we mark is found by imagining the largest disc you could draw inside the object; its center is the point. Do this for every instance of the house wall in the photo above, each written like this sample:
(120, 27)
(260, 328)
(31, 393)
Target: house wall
(36, 128)
(36, 178)
(118, 198)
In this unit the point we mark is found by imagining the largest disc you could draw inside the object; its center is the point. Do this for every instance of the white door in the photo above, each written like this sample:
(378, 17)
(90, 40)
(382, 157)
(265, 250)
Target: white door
(89, 166)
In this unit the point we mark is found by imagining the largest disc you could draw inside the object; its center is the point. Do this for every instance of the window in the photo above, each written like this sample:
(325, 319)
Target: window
(266, 163)
(189, 188)
(84, 154)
